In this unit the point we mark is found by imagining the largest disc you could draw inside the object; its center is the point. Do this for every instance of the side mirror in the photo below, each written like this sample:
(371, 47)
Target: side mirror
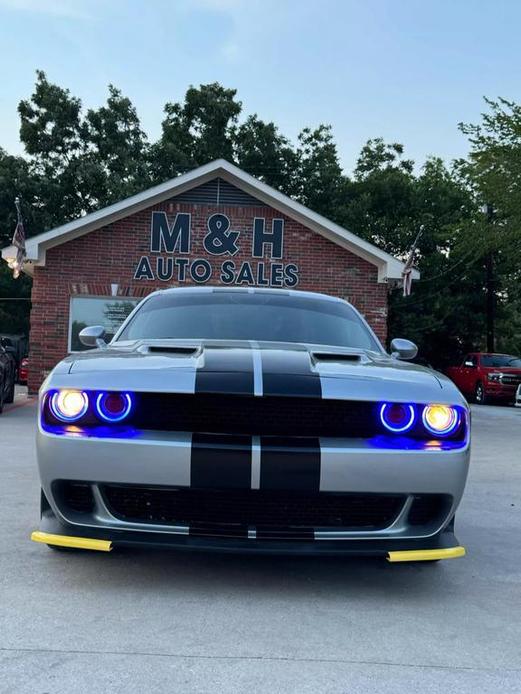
(403, 349)
(470, 364)
(93, 336)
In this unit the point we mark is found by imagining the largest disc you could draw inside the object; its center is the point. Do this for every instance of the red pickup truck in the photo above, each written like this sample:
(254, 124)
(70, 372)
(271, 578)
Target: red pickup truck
(484, 377)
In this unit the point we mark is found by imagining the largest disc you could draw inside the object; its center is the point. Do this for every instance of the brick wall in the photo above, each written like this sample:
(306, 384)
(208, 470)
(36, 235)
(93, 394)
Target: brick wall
(90, 264)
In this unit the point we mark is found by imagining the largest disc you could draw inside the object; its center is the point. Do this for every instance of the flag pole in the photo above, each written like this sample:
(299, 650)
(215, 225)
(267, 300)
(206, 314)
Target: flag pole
(407, 268)
(16, 264)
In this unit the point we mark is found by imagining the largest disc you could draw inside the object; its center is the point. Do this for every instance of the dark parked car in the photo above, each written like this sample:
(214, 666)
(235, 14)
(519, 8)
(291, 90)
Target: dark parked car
(23, 371)
(19, 345)
(7, 375)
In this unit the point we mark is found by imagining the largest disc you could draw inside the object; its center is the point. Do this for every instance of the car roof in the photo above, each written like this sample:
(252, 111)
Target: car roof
(249, 290)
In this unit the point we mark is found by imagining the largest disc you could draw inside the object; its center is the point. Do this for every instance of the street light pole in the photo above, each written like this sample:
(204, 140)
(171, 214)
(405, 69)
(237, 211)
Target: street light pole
(491, 293)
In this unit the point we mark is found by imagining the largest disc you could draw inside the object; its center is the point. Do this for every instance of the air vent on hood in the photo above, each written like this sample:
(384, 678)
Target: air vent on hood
(181, 351)
(331, 356)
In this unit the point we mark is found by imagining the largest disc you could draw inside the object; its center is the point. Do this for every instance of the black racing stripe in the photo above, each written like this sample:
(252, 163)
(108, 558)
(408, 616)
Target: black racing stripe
(225, 370)
(288, 372)
(219, 461)
(290, 463)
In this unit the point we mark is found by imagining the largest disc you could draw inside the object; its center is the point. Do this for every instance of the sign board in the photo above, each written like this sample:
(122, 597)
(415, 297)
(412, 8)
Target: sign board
(170, 258)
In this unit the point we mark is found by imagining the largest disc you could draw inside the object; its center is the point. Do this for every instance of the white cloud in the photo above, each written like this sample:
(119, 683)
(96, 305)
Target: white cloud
(59, 8)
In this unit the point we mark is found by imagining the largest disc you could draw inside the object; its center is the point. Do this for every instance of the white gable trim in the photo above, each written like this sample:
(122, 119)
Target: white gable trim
(389, 268)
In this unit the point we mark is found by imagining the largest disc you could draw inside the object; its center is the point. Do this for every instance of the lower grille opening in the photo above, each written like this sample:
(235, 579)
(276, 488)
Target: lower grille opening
(76, 496)
(429, 508)
(271, 513)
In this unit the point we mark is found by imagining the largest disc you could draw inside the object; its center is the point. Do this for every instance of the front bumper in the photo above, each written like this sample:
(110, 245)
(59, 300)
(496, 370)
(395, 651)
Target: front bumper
(160, 459)
(53, 531)
(501, 391)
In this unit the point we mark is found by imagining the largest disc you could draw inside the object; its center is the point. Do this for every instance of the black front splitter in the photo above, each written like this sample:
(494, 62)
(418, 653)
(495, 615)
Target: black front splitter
(133, 538)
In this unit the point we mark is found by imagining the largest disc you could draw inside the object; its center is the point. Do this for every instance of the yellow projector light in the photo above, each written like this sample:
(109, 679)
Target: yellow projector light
(69, 405)
(440, 419)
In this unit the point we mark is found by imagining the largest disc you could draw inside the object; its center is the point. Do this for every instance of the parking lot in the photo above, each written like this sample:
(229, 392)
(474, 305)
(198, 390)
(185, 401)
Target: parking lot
(150, 621)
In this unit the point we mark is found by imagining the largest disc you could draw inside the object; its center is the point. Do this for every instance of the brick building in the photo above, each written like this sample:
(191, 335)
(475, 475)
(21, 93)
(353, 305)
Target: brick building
(213, 225)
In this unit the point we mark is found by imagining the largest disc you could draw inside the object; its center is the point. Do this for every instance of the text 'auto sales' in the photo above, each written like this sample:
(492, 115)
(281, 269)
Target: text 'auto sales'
(173, 242)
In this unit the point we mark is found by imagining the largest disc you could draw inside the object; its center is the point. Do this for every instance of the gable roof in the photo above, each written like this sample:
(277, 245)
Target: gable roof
(389, 268)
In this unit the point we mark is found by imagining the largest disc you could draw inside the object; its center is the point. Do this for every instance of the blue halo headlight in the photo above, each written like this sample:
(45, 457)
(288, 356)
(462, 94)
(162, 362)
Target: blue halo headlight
(69, 405)
(397, 417)
(113, 407)
(440, 420)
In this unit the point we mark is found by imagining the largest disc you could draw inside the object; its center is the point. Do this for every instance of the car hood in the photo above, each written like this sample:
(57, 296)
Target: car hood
(275, 368)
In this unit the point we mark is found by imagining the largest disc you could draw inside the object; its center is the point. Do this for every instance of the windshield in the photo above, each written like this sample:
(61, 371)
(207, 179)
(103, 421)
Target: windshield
(497, 360)
(221, 315)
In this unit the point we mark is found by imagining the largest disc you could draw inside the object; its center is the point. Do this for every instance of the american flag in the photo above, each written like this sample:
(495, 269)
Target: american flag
(408, 267)
(16, 264)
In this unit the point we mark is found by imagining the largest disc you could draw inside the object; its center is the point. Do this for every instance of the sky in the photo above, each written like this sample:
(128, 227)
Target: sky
(405, 70)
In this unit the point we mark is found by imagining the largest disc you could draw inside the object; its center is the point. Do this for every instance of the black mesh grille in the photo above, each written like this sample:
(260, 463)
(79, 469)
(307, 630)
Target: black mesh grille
(227, 510)
(428, 508)
(77, 496)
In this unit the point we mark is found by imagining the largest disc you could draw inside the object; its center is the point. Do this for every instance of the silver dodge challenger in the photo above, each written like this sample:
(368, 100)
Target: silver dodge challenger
(252, 420)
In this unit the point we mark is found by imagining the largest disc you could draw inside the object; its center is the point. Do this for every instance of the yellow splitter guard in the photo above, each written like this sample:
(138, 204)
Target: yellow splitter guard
(106, 546)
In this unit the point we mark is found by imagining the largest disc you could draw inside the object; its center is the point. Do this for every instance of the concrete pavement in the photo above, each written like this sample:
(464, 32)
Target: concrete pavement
(149, 621)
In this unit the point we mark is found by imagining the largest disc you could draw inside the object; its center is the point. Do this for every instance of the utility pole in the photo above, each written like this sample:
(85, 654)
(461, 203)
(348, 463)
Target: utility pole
(491, 289)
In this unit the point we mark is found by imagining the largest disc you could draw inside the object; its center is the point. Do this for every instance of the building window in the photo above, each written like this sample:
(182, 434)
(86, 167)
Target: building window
(107, 311)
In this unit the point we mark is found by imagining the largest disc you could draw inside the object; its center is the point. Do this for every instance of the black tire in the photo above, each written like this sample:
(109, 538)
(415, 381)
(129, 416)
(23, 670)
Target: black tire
(479, 394)
(10, 395)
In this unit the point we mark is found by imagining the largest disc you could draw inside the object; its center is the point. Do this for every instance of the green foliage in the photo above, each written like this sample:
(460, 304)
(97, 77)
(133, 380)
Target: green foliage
(260, 149)
(197, 131)
(117, 149)
(76, 162)
(493, 172)
(387, 203)
(81, 162)
(320, 178)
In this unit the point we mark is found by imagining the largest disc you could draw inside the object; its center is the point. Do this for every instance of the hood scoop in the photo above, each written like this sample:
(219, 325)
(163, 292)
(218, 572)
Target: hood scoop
(336, 358)
(165, 349)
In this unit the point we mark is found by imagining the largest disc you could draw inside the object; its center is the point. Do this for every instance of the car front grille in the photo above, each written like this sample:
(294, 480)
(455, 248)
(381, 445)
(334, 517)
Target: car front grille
(247, 415)
(255, 416)
(510, 379)
(234, 512)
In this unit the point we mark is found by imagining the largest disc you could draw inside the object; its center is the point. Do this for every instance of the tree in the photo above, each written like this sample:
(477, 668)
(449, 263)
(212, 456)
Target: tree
(76, 162)
(197, 131)
(388, 203)
(81, 163)
(53, 136)
(118, 148)
(262, 151)
(493, 173)
(380, 203)
(319, 174)
(15, 181)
